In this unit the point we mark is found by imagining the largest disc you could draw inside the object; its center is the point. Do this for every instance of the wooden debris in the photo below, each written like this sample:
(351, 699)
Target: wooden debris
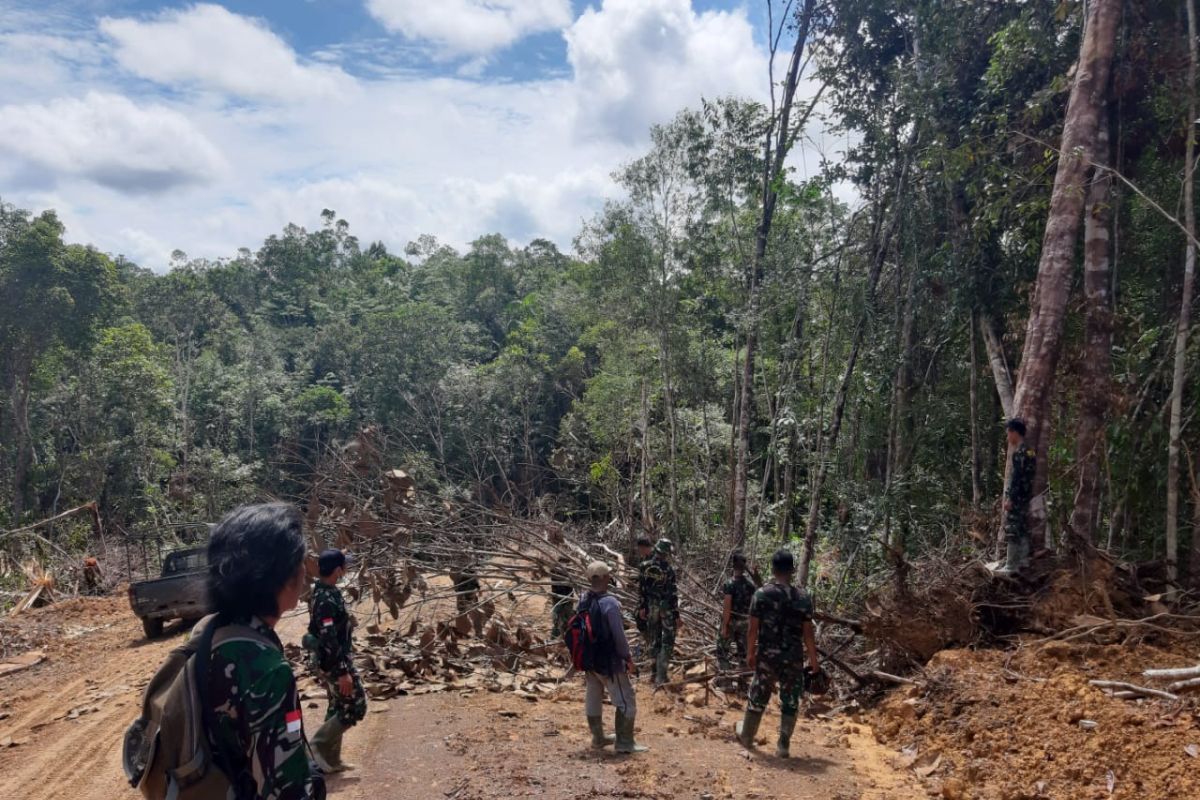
(1129, 687)
(21, 663)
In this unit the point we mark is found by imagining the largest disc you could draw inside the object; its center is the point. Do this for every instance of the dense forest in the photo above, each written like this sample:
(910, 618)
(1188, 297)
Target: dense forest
(730, 353)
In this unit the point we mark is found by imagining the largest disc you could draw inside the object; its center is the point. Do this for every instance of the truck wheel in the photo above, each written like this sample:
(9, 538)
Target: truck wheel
(152, 627)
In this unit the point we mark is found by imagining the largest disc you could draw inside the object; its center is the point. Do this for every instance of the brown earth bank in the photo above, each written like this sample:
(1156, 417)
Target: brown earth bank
(1025, 724)
(61, 724)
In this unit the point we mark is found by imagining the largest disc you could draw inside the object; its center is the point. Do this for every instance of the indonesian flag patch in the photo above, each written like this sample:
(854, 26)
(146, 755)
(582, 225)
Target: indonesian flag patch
(327, 622)
(293, 721)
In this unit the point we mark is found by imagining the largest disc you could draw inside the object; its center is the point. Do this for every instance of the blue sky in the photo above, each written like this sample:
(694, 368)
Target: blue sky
(207, 126)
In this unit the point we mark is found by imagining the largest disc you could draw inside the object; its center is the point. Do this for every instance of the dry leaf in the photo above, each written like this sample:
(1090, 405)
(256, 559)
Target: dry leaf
(1192, 750)
(1111, 780)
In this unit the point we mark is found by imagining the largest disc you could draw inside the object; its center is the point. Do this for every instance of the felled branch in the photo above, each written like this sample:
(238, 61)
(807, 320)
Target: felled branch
(1121, 687)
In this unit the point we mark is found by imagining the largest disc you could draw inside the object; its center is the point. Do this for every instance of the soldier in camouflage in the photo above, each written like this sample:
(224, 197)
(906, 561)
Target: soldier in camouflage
(467, 589)
(660, 607)
(330, 643)
(735, 616)
(781, 635)
(256, 574)
(645, 549)
(562, 597)
(1017, 495)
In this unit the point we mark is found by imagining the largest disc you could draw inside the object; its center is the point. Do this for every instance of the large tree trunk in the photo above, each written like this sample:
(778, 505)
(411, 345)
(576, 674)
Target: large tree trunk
(1096, 360)
(1044, 330)
(1185, 312)
(778, 143)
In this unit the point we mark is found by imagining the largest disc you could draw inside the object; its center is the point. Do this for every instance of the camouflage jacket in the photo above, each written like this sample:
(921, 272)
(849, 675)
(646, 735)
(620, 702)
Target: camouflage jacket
(741, 589)
(656, 580)
(332, 626)
(258, 716)
(1020, 479)
(781, 611)
(465, 581)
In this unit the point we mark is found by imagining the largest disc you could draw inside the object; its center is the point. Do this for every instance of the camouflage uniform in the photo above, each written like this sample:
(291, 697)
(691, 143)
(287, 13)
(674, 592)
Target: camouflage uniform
(781, 612)
(258, 715)
(466, 599)
(331, 625)
(643, 626)
(741, 591)
(562, 595)
(1019, 492)
(660, 599)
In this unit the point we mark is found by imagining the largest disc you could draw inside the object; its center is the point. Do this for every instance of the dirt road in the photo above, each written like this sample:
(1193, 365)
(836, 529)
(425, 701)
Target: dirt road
(63, 720)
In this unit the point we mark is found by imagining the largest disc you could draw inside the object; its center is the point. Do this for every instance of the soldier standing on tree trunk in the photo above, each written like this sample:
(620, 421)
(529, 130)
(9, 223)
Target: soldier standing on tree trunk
(1017, 495)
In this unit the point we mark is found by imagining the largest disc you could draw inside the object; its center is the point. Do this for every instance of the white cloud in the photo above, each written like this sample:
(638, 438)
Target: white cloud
(638, 62)
(404, 153)
(108, 140)
(471, 27)
(209, 47)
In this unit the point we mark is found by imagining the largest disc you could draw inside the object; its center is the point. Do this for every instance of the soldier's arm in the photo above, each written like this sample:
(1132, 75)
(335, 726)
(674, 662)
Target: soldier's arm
(810, 646)
(726, 614)
(752, 643)
(276, 726)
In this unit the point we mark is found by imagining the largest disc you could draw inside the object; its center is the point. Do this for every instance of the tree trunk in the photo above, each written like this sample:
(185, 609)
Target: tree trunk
(778, 142)
(976, 460)
(817, 481)
(1096, 361)
(1000, 371)
(1044, 330)
(23, 443)
(1185, 311)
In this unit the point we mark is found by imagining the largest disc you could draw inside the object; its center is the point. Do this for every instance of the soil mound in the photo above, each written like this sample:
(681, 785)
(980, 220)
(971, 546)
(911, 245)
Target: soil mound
(1025, 724)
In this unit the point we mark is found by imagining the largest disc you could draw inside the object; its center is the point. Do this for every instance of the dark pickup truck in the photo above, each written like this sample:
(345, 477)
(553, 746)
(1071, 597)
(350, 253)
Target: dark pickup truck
(181, 592)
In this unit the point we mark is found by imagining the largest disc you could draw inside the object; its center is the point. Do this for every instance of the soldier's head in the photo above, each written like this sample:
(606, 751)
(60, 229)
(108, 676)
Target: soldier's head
(783, 565)
(1015, 431)
(599, 575)
(663, 549)
(738, 561)
(332, 565)
(256, 562)
(644, 547)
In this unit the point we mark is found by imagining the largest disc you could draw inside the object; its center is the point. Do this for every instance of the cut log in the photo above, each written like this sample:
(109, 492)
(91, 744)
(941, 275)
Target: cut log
(1173, 674)
(1130, 687)
(22, 662)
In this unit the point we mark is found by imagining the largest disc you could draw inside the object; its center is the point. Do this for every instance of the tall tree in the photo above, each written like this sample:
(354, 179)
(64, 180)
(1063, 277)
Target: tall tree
(1096, 359)
(53, 295)
(780, 135)
(1044, 329)
(1185, 309)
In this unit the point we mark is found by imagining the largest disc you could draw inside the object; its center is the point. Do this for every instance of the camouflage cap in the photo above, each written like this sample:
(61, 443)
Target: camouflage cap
(664, 546)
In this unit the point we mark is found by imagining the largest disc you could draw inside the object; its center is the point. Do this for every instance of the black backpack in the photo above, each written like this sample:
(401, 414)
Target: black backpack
(588, 639)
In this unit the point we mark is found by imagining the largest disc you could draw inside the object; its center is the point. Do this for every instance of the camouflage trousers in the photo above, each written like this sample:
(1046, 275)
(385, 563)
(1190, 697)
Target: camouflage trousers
(1016, 525)
(560, 614)
(660, 625)
(349, 710)
(731, 649)
(472, 614)
(788, 678)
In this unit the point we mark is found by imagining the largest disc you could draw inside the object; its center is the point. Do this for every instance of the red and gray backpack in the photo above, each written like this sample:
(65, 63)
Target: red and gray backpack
(588, 639)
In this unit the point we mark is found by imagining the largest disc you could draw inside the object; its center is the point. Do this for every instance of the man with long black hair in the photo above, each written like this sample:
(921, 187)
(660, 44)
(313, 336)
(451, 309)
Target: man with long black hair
(255, 575)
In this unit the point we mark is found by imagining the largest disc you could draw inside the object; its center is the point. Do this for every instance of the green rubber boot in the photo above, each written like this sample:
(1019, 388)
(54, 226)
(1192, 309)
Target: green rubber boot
(747, 729)
(599, 739)
(326, 746)
(625, 742)
(787, 724)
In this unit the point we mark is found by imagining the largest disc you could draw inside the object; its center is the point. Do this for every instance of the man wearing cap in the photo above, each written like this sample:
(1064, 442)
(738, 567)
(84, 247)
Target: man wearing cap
(614, 666)
(330, 641)
(645, 549)
(660, 608)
